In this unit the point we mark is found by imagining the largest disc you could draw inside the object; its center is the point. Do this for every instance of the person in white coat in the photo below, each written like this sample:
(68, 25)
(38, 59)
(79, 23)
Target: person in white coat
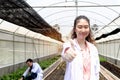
(33, 72)
(80, 53)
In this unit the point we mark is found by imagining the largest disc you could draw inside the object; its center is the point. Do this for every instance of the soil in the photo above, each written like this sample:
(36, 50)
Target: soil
(112, 68)
(57, 74)
(60, 71)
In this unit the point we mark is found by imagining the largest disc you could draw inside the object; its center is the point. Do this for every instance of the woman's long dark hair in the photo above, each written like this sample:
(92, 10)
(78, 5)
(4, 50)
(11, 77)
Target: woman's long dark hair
(89, 38)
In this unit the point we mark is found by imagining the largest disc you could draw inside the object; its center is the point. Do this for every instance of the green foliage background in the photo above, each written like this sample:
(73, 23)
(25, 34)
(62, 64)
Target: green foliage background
(18, 73)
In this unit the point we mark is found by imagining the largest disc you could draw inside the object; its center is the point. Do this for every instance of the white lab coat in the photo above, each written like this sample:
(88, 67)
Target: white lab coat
(35, 69)
(75, 67)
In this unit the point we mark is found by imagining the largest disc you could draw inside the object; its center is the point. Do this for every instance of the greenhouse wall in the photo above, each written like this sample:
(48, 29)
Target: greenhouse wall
(110, 50)
(16, 48)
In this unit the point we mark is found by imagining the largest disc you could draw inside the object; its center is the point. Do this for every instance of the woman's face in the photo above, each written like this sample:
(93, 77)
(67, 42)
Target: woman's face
(82, 29)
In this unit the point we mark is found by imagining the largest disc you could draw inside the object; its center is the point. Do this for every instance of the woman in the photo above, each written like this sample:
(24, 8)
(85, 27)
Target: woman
(80, 54)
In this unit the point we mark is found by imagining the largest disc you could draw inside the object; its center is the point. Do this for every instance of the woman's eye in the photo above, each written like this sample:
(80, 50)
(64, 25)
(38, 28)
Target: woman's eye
(83, 26)
(79, 27)
(86, 26)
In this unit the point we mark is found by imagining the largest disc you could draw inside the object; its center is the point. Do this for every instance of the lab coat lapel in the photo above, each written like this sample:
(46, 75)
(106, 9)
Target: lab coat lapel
(92, 60)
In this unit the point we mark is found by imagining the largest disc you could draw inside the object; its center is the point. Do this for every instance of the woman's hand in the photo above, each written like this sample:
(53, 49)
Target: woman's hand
(69, 53)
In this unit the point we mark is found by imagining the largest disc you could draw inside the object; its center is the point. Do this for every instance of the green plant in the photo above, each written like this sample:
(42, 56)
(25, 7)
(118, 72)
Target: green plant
(46, 63)
(18, 73)
(102, 59)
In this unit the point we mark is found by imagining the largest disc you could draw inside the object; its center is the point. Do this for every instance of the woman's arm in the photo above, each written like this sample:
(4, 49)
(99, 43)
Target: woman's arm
(68, 53)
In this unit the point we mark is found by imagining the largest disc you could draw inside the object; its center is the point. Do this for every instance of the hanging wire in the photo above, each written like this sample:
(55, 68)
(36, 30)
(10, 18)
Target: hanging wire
(61, 6)
(76, 4)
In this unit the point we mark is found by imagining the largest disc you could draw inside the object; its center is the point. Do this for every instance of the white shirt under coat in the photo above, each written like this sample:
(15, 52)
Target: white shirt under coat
(75, 67)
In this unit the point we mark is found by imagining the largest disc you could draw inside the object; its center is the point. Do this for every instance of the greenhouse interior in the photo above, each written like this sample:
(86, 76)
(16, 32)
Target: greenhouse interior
(38, 29)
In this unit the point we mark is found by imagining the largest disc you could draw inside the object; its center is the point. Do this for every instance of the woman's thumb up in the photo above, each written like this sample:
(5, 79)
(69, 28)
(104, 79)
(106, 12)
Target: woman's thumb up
(70, 54)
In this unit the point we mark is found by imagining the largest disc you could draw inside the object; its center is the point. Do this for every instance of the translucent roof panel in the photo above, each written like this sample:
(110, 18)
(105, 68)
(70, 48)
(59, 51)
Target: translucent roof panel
(111, 31)
(63, 12)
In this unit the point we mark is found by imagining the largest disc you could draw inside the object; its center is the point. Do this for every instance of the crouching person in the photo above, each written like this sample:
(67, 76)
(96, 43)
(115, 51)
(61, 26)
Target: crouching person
(33, 72)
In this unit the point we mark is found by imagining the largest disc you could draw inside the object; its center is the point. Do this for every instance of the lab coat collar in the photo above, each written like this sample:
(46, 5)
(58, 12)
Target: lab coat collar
(90, 46)
(75, 42)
